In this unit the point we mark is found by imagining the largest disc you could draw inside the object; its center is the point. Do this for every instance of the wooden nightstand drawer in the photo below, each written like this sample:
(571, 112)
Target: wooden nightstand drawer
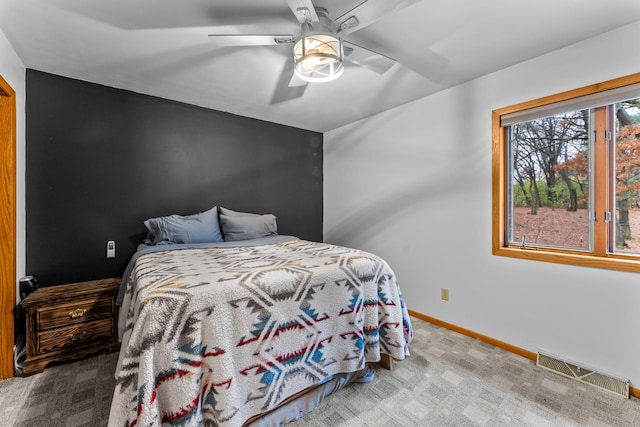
(74, 336)
(80, 311)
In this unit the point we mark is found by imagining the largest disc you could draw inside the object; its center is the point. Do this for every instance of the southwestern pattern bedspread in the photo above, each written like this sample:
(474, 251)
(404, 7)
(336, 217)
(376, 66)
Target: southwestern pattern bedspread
(214, 336)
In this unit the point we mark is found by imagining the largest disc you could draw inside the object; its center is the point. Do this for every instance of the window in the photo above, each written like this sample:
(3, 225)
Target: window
(566, 177)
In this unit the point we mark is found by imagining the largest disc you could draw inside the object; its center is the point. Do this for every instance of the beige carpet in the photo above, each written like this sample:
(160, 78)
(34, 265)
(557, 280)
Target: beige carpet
(449, 380)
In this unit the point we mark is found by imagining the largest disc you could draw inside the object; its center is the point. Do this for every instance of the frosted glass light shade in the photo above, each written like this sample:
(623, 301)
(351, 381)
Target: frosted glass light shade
(318, 57)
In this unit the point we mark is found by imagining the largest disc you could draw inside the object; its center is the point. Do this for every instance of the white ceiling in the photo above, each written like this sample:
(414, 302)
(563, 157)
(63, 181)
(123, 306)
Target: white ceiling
(162, 48)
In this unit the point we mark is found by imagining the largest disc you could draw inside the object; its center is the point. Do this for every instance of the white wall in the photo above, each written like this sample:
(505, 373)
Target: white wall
(13, 71)
(413, 185)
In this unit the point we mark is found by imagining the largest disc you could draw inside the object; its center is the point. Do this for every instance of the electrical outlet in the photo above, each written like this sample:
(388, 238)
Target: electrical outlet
(111, 249)
(444, 294)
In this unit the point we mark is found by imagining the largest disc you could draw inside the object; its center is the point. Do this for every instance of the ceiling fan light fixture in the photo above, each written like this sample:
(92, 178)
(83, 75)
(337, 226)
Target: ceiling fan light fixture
(318, 57)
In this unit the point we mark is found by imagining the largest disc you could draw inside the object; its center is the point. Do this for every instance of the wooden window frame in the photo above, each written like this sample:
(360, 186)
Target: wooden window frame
(599, 257)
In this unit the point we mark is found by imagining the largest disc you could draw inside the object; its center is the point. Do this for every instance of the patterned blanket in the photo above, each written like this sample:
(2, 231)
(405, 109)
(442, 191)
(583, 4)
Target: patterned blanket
(214, 336)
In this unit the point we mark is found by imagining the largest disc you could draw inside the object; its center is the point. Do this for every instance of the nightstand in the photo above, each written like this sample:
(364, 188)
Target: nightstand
(69, 322)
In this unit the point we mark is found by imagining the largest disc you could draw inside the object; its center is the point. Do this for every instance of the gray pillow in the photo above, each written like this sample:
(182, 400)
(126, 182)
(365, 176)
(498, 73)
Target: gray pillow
(229, 212)
(244, 226)
(197, 228)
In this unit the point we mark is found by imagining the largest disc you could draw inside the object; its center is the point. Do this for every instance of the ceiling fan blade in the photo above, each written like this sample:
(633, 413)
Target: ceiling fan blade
(368, 12)
(304, 10)
(367, 58)
(251, 39)
(289, 86)
(427, 63)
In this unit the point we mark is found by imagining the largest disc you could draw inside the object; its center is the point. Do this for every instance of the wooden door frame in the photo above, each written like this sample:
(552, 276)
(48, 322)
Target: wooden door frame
(7, 226)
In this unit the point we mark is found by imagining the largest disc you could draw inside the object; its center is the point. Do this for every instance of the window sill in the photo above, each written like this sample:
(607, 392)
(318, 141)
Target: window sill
(610, 261)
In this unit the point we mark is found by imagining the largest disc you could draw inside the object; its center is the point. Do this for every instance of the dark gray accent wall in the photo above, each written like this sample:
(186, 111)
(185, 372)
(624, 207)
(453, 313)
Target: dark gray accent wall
(99, 161)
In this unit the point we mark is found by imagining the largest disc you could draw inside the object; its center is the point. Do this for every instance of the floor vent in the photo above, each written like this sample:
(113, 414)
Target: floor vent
(606, 382)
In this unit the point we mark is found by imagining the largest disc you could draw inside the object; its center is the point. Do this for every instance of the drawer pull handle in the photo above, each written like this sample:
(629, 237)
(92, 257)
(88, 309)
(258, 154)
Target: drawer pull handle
(78, 312)
(76, 336)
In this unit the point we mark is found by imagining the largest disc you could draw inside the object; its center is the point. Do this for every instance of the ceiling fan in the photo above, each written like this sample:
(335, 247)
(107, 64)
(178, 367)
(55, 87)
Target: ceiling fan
(320, 50)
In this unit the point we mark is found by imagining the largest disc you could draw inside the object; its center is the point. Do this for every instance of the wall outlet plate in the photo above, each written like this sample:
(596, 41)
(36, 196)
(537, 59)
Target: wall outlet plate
(111, 249)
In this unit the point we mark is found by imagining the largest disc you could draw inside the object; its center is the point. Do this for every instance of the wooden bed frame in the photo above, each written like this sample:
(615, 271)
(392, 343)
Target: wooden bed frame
(386, 362)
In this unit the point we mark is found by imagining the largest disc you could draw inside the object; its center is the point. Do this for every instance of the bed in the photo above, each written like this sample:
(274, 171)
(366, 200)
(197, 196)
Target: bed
(235, 332)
